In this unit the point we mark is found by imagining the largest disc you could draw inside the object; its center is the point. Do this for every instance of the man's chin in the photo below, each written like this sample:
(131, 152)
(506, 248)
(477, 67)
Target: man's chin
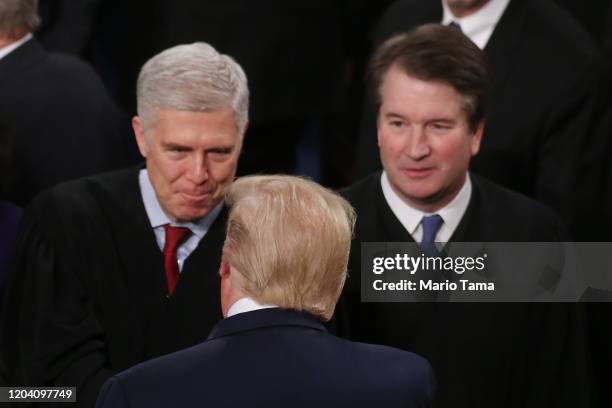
(421, 196)
(187, 214)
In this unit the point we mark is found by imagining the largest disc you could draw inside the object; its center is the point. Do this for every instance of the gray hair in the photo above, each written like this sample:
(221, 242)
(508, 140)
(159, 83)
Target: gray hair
(193, 77)
(18, 17)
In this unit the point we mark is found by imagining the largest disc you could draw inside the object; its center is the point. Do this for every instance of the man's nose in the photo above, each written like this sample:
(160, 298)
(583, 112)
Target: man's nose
(417, 145)
(198, 170)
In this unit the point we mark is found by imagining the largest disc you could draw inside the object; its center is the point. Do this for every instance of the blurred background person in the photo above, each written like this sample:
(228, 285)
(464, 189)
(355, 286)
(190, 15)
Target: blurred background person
(64, 124)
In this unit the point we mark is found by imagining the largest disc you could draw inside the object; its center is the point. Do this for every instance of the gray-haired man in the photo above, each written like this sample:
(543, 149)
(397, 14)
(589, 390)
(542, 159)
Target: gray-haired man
(118, 268)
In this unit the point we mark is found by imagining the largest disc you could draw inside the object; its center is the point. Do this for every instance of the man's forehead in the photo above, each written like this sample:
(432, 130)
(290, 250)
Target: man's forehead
(185, 119)
(396, 75)
(225, 111)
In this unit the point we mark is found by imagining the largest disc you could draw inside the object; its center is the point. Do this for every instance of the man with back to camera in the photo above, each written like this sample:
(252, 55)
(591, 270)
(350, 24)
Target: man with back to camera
(122, 267)
(283, 268)
(432, 87)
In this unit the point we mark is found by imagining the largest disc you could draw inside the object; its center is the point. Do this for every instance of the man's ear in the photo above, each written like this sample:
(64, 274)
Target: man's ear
(224, 269)
(227, 289)
(140, 136)
(477, 138)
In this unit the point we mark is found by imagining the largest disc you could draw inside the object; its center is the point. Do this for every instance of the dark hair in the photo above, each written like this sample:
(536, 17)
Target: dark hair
(433, 52)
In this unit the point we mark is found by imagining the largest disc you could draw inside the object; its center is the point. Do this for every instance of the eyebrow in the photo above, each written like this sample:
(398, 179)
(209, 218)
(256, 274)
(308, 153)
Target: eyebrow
(227, 148)
(392, 115)
(171, 146)
(444, 120)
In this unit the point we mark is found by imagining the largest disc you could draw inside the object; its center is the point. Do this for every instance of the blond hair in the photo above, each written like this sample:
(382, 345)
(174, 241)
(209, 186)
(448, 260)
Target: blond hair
(289, 238)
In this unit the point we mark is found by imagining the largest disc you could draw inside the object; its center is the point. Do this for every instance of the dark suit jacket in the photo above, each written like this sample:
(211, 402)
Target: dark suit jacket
(483, 354)
(61, 122)
(543, 65)
(87, 297)
(274, 358)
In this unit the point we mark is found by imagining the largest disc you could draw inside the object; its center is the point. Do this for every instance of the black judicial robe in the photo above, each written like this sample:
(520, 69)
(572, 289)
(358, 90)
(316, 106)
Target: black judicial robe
(483, 354)
(87, 296)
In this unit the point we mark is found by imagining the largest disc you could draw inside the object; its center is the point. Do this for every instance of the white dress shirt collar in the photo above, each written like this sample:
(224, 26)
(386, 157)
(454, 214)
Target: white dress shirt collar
(410, 217)
(246, 304)
(4, 51)
(480, 25)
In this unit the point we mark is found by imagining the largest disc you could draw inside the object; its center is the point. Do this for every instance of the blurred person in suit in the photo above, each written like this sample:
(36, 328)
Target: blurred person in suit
(432, 88)
(283, 267)
(117, 268)
(67, 26)
(64, 123)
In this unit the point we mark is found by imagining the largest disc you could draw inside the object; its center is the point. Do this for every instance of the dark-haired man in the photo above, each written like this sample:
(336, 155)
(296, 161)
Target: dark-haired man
(432, 86)
(543, 65)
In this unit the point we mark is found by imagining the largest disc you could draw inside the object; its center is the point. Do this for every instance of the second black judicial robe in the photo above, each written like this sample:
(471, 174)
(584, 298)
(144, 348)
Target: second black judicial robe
(483, 354)
(87, 296)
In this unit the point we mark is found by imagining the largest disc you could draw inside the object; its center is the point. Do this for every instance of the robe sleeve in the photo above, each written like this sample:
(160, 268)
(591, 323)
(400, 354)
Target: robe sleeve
(50, 333)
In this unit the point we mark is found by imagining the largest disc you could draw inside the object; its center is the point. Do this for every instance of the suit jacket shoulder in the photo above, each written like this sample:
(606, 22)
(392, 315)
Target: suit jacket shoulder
(275, 358)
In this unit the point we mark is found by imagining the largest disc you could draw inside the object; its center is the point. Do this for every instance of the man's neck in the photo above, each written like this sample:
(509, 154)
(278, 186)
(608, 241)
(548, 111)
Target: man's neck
(5, 41)
(7, 38)
(10, 44)
(246, 304)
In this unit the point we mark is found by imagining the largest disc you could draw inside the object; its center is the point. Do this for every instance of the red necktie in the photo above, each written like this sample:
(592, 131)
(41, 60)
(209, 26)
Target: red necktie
(174, 237)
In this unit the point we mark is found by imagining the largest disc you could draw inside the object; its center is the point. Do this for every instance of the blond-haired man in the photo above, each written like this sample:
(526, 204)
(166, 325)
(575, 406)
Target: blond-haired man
(284, 264)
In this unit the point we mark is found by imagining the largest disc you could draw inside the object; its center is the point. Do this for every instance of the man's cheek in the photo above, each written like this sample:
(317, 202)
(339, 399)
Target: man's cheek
(222, 172)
